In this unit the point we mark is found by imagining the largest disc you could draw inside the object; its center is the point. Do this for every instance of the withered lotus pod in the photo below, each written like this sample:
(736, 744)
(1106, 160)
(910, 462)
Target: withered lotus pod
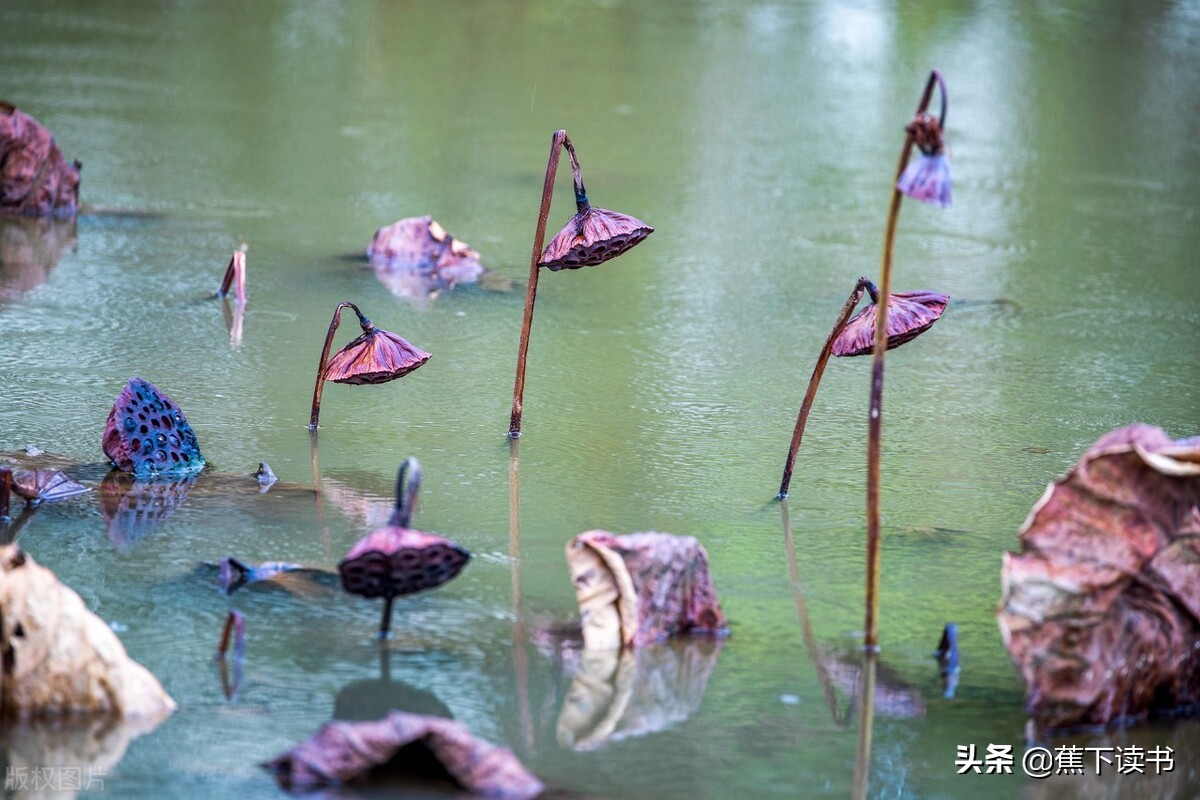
(396, 560)
(147, 434)
(46, 485)
(912, 314)
(376, 356)
(591, 237)
(909, 315)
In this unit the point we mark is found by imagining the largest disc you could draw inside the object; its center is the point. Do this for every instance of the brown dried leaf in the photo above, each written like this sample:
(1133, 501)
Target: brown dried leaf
(1101, 607)
(345, 751)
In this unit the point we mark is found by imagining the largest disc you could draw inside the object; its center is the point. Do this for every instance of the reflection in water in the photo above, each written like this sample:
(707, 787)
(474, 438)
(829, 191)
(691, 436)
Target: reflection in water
(866, 721)
(75, 753)
(375, 699)
(132, 508)
(29, 249)
(617, 694)
(520, 656)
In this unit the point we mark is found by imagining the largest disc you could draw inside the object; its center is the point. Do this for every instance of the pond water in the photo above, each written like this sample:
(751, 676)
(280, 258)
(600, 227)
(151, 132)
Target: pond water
(759, 140)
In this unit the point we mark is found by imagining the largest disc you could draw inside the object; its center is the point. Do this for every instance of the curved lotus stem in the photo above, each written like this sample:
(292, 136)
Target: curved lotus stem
(875, 419)
(333, 326)
(815, 381)
(406, 493)
(557, 141)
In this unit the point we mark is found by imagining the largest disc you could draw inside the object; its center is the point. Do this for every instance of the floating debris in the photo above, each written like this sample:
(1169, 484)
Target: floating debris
(265, 475)
(947, 657)
(46, 485)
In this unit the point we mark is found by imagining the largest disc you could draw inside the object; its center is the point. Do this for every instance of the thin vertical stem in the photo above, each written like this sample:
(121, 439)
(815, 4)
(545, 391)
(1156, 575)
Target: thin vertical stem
(811, 393)
(333, 326)
(539, 237)
(227, 280)
(385, 622)
(520, 656)
(239, 268)
(875, 420)
(866, 720)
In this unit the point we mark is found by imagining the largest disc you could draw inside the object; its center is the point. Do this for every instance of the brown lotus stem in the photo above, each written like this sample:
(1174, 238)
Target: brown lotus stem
(557, 141)
(406, 493)
(333, 326)
(866, 719)
(227, 281)
(5, 492)
(581, 201)
(385, 622)
(875, 418)
(235, 628)
(811, 393)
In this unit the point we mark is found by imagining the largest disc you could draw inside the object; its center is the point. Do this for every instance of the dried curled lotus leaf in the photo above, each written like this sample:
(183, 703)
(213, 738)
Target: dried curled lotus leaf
(345, 751)
(1100, 609)
(61, 658)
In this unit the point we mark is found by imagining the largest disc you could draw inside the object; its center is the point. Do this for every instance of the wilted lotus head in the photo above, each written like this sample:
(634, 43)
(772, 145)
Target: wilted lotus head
(376, 356)
(591, 237)
(396, 560)
(909, 315)
(928, 178)
(147, 434)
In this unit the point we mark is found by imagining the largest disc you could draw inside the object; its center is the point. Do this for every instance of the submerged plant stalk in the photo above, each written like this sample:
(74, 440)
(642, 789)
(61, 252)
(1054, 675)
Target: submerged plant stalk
(811, 393)
(557, 141)
(875, 419)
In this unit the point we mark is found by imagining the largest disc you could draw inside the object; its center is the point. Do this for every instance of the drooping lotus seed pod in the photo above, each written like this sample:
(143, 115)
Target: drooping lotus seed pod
(147, 434)
(591, 237)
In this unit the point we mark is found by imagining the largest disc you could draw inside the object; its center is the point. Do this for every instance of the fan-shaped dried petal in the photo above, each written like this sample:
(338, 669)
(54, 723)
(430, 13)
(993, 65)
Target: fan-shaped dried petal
(1101, 607)
(591, 238)
(396, 561)
(147, 434)
(909, 315)
(927, 179)
(47, 485)
(376, 356)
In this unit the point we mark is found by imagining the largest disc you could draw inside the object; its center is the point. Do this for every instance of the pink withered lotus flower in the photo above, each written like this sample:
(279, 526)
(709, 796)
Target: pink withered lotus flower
(928, 178)
(396, 560)
(909, 315)
(376, 356)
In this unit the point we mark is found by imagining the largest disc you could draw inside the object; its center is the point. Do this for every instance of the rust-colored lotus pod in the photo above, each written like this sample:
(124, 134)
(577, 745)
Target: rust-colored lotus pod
(909, 315)
(396, 560)
(377, 356)
(46, 485)
(1100, 609)
(147, 434)
(591, 237)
